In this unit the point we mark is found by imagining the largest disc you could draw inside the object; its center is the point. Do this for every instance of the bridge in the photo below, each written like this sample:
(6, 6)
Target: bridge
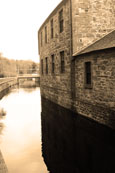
(28, 76)
(24, 76)
(8, 82)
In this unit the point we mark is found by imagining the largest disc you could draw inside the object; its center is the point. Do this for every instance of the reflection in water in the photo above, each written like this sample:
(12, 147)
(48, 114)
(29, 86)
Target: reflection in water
(20, 140)
(74, 144)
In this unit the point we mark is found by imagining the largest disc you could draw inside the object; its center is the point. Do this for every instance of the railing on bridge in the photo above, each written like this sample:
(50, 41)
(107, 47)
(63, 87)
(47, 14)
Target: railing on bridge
(29, 76)
(35, 77)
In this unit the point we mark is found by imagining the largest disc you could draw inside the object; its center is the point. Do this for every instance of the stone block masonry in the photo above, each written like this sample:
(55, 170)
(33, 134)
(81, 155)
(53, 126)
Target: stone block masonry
(82, 23)
(97, 102)
(6, 84)
(91, 19)
(56, 84)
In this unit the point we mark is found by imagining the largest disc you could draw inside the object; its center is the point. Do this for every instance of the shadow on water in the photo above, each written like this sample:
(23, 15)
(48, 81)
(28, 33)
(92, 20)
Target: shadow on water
(74, 144)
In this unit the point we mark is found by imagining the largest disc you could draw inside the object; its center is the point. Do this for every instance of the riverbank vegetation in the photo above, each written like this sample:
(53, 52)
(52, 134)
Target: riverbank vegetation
(12, 68)
(2, 112)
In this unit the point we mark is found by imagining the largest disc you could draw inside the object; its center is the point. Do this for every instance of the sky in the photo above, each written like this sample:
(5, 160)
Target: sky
(19, 24)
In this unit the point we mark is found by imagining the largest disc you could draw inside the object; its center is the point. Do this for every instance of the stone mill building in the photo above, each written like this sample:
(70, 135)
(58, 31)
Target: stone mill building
(77, 83)
(77, 57)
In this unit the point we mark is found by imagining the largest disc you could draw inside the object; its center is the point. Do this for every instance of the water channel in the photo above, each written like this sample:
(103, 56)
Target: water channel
(31, 138)
(20, 131)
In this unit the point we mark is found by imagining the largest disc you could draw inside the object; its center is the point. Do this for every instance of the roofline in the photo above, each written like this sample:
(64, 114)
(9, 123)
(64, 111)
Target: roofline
(93, 51)
(52, 13)
(80, 52)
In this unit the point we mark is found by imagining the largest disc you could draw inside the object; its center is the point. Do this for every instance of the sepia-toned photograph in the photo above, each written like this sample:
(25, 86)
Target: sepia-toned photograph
(57, 86)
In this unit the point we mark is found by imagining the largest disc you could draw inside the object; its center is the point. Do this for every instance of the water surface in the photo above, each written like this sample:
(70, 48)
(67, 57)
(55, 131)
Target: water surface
(20, 134)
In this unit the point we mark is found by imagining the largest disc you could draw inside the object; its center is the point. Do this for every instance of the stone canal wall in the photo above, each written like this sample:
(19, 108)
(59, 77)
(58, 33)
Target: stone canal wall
(6, 84)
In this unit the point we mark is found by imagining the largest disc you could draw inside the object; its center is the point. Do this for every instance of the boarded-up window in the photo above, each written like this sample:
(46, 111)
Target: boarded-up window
(45, 34)
(61, 21)
(62, 62)
(46, 65)
(52, 29)
(88, 73)
(41, 66)
(53, 63)
(41, 39)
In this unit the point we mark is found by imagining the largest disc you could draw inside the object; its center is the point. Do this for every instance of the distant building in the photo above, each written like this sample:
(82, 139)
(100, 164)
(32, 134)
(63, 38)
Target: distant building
(77, 55)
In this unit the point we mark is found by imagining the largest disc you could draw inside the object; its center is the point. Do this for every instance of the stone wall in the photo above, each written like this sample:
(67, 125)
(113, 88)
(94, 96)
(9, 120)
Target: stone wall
(97, 102)
(6, 84)
(54, 86)
(91, 20)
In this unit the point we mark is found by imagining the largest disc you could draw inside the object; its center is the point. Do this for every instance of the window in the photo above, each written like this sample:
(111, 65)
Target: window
(46, 65)
(62, 62)
(42, 66)
(46, 34)
(53, 63)
(61, 21)
(52, 31)
(88, 74)
(41, 39)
